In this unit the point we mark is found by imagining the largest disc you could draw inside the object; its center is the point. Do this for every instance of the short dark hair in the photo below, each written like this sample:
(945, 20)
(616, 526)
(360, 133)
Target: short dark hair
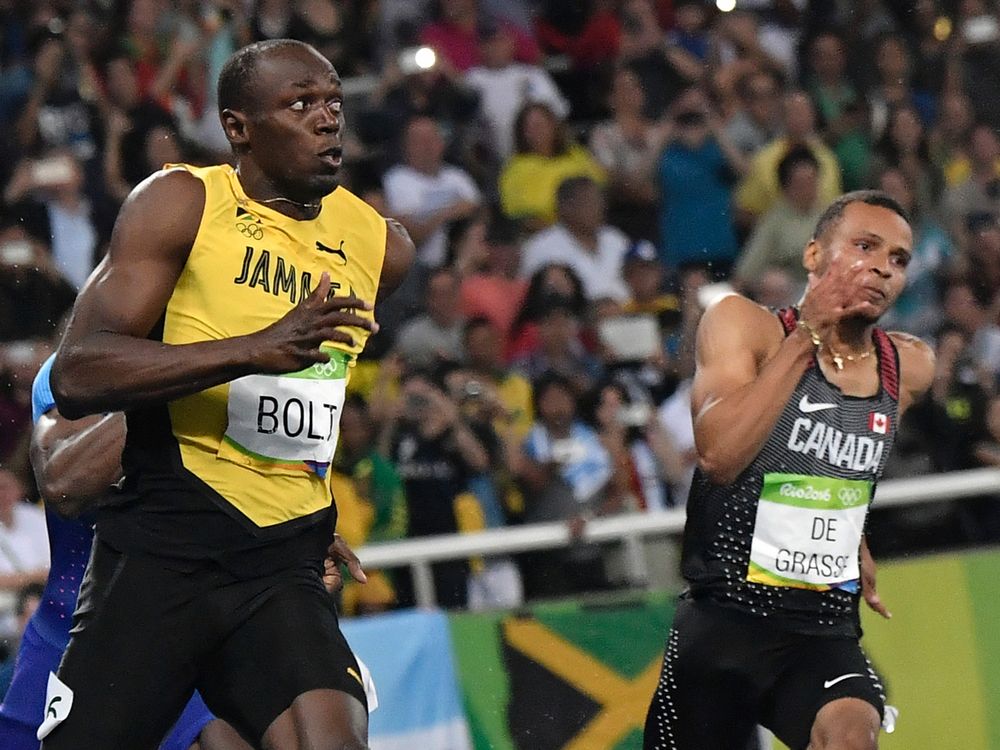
(548, 380)
(237, 76)
(835, 211)
(796, 155)
(475, 322)
(570, 188)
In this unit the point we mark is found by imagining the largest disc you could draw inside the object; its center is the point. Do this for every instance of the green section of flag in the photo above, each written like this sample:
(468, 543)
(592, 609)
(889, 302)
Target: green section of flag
(927, 655)
(815, 493)
(624, 634)
(482, 677)
(983, 572)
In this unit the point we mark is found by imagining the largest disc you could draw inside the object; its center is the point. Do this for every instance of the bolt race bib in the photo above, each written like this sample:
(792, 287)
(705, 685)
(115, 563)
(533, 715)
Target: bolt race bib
(289, 421)
(808, 532)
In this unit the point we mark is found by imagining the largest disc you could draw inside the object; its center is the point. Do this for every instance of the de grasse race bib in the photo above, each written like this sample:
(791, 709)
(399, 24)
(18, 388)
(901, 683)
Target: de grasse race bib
(808, 532)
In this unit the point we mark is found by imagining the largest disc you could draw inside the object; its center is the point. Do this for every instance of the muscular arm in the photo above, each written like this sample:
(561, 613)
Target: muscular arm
(107, 363)
(746, 372)
(399, 254)
(75, 463)
(916, 369)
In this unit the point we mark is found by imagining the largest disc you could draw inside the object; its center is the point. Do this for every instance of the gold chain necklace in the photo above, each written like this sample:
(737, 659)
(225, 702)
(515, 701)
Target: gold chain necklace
(838, 358)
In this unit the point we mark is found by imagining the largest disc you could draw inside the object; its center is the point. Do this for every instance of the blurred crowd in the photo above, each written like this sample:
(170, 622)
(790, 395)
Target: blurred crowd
(581, 180)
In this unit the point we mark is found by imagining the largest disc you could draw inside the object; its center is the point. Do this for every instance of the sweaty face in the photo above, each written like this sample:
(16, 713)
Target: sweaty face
(880, 241)
(295, 133)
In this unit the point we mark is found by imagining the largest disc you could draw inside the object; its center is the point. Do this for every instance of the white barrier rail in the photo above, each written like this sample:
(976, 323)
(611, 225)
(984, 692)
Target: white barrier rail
(629, 529)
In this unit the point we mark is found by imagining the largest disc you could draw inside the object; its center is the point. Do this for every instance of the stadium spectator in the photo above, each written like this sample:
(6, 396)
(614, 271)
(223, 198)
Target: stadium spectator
(545, 283)
(565, 470)
(504, 394)
(840, 108)
(436, 453)
(559, 347)
(426, 193)
(697, 172)
(453, 35)
(34, 295)
(581, 240)
(780, 236)
(759, 189)
(758, 118)
(904, 145)
(504, 86)
(545, 155)
(918, 308)
(24, 547)
(436, 335)
(46, 194)
(488, 260)
(980, 191)
(628, 147)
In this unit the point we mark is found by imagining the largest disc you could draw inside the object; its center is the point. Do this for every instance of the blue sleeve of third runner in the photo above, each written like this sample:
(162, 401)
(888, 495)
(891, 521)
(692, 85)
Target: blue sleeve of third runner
(188, 727)
(41, 390)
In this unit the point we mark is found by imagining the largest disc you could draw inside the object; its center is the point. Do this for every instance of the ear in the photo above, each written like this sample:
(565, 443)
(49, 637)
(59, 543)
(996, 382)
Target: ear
(234, 124)
(812, 256)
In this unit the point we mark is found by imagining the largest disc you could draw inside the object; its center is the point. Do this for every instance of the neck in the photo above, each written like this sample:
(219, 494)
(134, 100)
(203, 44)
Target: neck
(586, 236)
(852, 336)
(7, 516)
(260, 189)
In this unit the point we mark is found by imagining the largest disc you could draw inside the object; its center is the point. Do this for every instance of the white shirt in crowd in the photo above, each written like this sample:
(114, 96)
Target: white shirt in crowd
(502, 93)
(600, 271)
(417, 194)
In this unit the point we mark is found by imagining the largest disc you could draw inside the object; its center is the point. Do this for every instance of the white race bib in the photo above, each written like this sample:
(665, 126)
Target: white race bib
(808, 532)
(290, 420)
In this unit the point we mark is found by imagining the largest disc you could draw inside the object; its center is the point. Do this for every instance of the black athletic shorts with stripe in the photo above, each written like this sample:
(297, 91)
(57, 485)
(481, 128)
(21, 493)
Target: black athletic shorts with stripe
(149, 630)
(725, 671)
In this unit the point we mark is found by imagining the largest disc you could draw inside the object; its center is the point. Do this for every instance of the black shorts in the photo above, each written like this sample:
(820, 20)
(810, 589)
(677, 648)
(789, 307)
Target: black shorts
(724, 672)
(148, 631)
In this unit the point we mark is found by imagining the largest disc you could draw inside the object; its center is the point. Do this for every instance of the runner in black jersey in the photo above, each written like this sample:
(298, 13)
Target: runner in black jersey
(794, 418)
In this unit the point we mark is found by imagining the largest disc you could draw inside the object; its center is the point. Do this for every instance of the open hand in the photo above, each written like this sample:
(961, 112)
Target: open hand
(293, 342)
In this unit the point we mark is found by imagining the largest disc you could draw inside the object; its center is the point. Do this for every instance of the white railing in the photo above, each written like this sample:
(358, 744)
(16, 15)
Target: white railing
(630, 530)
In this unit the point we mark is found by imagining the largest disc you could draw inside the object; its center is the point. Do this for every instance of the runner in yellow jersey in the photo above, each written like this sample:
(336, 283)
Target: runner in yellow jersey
(225, 322)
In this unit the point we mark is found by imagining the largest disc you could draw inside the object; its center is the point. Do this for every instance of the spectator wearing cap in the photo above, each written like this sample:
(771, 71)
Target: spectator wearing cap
(780, 237)
(505, 86)
(581, 240)
(644, 274)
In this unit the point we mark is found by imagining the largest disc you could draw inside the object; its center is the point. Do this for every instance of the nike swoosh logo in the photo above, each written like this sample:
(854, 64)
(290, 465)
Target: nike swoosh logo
(831, 683)
(808, 408)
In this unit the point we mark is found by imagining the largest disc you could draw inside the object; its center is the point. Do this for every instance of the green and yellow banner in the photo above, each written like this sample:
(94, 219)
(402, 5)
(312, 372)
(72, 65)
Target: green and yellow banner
(580, 675)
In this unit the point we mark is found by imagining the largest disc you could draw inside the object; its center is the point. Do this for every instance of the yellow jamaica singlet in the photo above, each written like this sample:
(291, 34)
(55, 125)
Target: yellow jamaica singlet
(259, 446)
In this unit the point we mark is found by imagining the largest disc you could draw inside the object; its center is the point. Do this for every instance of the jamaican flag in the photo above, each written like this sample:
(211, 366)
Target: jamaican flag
(566, 676)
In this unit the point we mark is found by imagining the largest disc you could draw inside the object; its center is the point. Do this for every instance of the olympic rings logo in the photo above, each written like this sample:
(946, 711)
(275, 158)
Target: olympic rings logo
(325, 370)
(849, 496)
(253, 231)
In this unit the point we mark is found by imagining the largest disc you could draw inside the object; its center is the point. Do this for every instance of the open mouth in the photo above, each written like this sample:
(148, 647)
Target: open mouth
(332, 156)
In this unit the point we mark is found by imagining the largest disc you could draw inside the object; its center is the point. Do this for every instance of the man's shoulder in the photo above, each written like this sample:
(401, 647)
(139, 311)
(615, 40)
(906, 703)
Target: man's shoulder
(612, 238)
(916, 362)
